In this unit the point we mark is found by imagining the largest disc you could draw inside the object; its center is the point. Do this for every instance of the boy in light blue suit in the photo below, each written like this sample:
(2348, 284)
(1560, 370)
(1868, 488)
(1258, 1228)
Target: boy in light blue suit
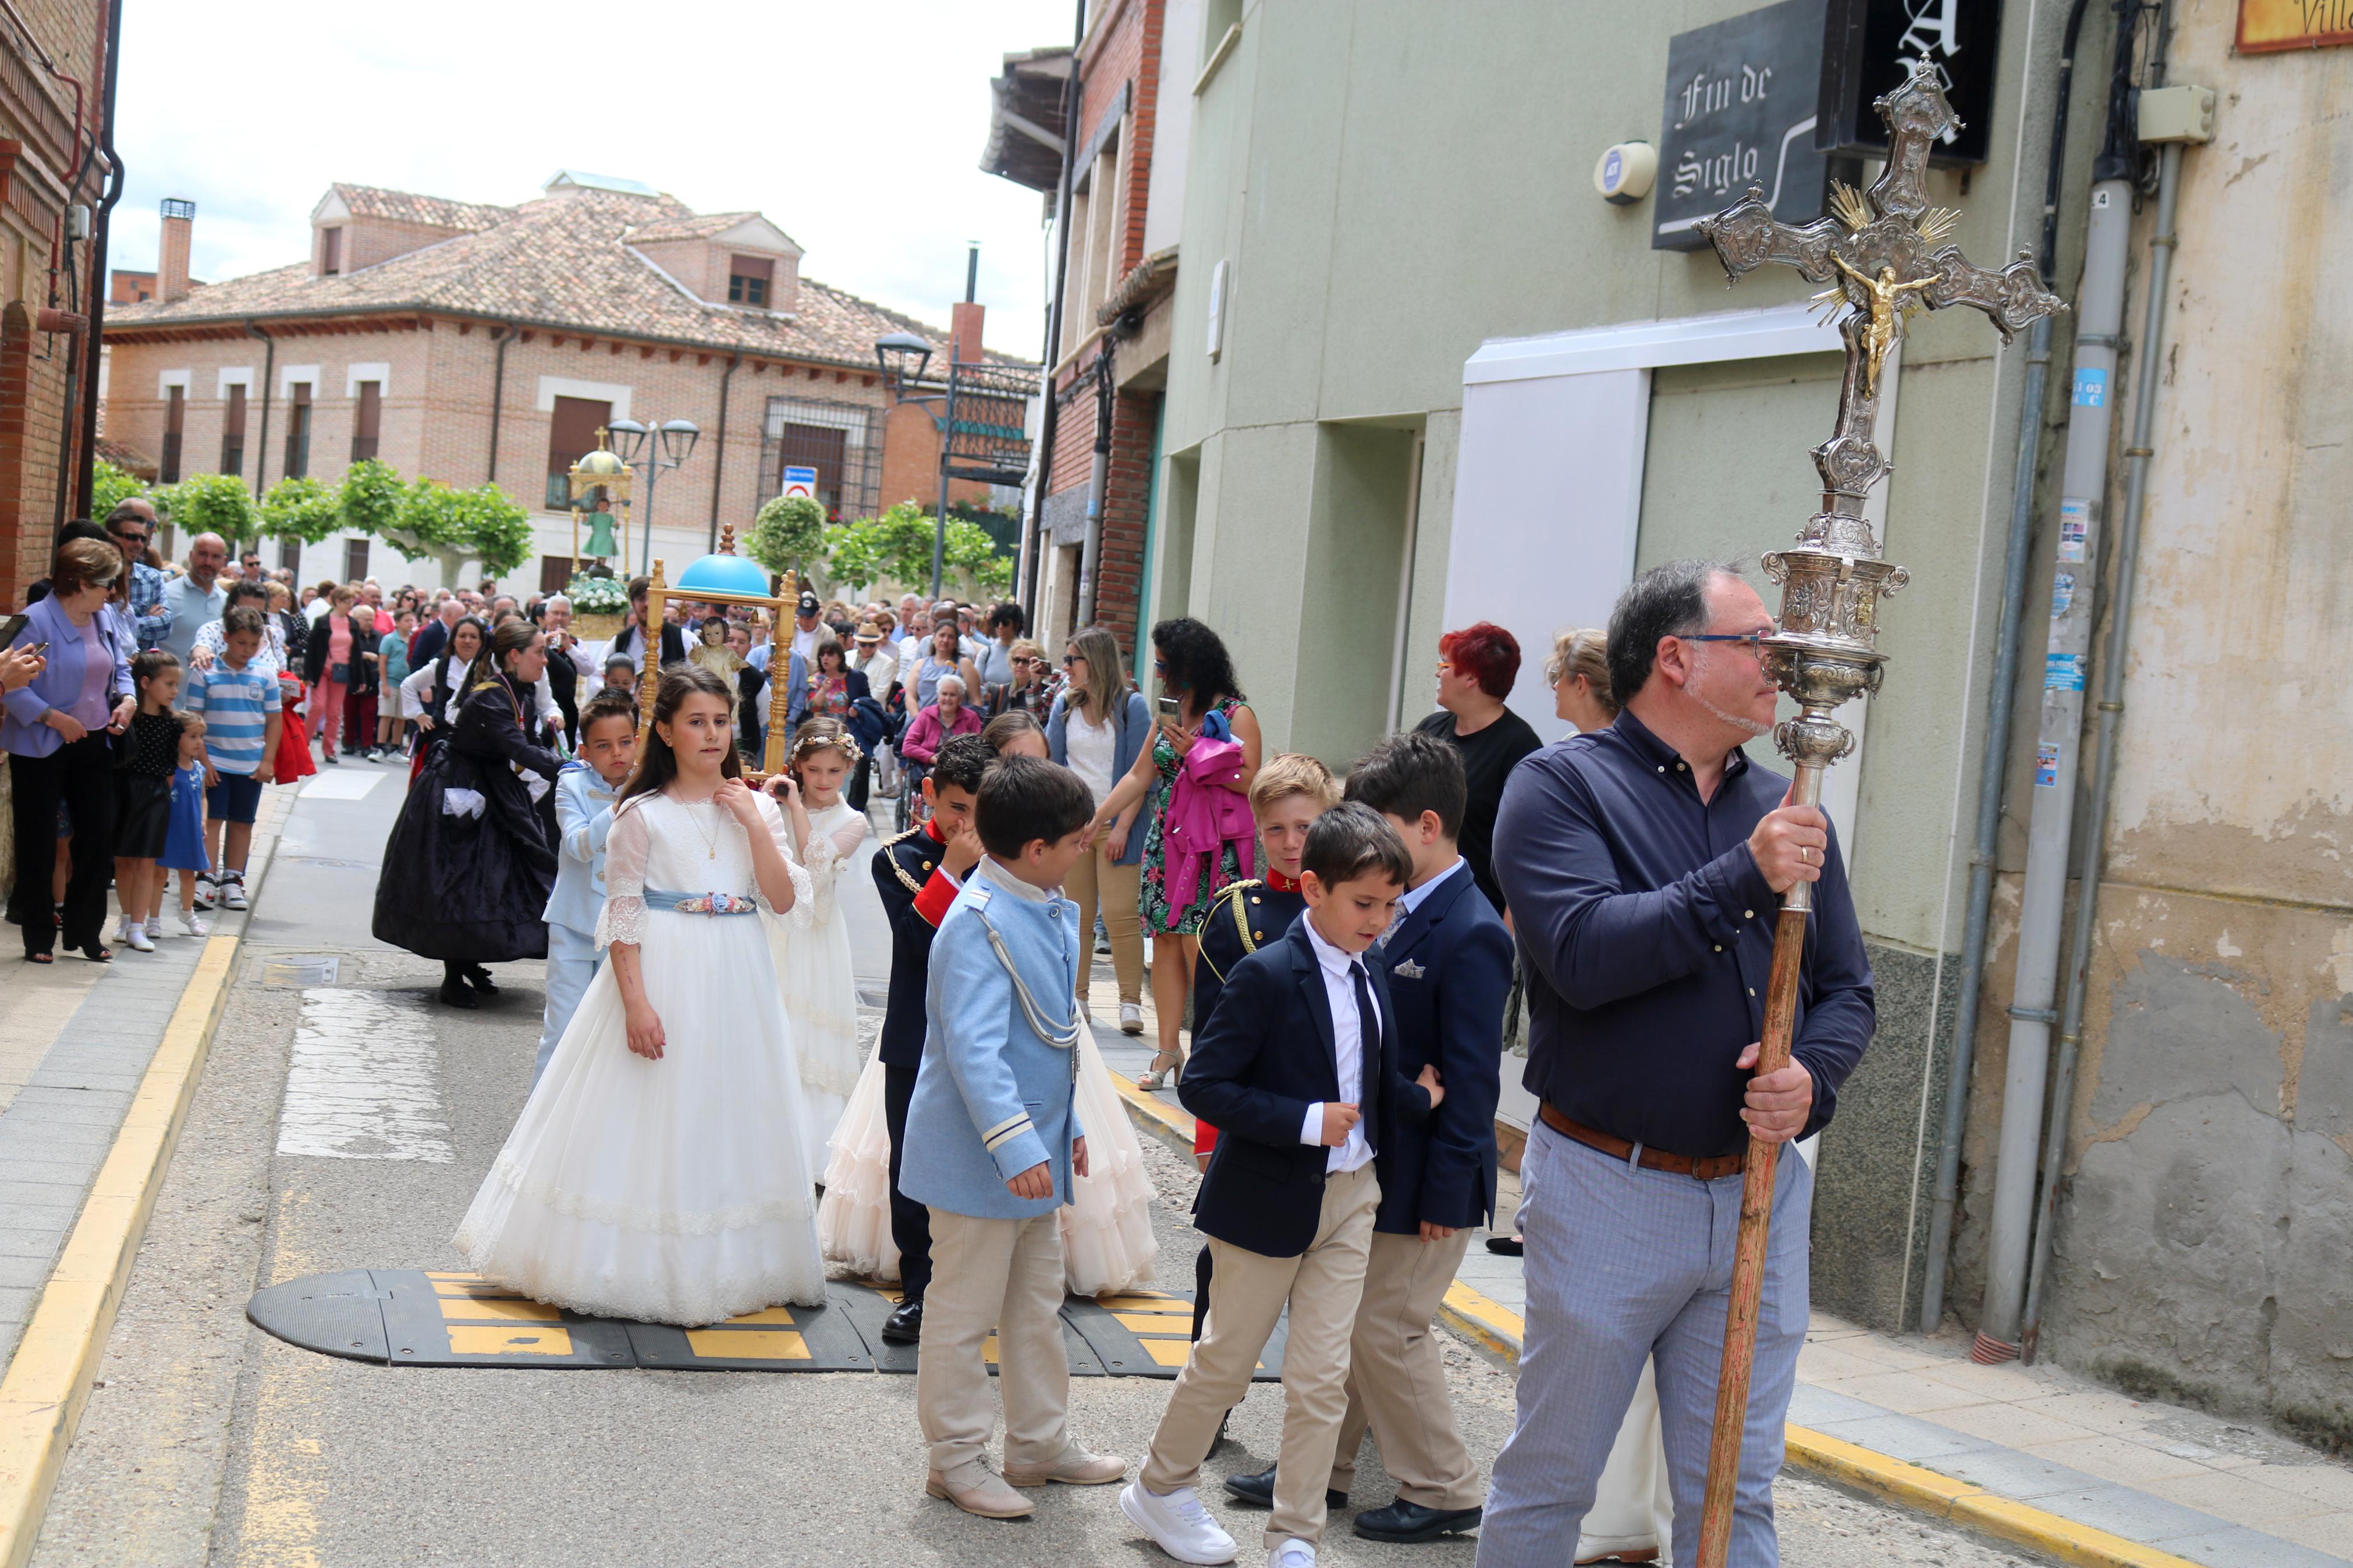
(584, 793)
(993, 1144)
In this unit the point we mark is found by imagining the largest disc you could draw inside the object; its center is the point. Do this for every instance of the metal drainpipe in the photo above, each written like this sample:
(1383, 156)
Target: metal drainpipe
(2058, 751)
(1994, 755)
(2161, 246)
(1098, 483)
(92, 347)
(1033, 549)
(719, 448)
(499, 396)
(268, 366)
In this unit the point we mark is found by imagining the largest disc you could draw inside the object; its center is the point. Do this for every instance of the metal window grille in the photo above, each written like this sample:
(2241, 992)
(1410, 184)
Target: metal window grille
(842, 441)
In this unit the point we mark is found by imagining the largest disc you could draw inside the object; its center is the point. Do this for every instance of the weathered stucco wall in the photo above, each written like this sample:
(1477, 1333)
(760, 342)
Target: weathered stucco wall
(2208, 1220)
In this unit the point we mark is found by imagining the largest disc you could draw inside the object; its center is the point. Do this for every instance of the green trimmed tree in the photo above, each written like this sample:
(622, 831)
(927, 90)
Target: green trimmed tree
(895, 547)
(453, 527)
(301, 509)
(211, 503)
(109, 487)
(369, 498)
(788, 535)
(972, 551)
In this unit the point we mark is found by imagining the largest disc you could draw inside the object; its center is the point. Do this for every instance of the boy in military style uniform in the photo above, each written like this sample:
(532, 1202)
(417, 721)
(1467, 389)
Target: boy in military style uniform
(1290, 792)
(995, 1145)
(919, 874)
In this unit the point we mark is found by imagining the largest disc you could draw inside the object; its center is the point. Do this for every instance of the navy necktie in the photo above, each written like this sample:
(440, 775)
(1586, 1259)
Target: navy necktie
(1368, 1048)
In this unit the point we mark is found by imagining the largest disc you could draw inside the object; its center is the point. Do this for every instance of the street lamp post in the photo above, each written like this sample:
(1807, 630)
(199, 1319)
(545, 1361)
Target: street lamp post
(903, 356)
(651, 451)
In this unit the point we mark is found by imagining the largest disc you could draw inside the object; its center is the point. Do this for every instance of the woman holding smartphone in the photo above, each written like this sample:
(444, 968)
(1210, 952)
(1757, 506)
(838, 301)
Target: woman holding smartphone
(1198, 694)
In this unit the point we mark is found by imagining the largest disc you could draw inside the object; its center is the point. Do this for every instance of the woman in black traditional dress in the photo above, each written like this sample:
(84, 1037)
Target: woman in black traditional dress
(471, 862)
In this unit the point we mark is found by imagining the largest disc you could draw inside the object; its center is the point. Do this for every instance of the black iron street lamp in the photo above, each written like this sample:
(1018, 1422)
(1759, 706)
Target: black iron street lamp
(903, 356)
(651, 451)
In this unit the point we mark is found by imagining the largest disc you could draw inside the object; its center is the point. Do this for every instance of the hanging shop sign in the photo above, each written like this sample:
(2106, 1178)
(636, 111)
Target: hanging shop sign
(2268, 25)
(1740, 109)
(1868, 47)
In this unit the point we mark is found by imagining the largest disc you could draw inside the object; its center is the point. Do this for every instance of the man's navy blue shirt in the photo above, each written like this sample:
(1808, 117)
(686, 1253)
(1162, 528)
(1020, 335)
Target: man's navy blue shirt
(1646, 934)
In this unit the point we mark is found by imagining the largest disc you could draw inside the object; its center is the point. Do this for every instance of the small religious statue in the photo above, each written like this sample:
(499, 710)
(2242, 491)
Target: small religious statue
(712, 651)
(1888, 307)
(601, 546)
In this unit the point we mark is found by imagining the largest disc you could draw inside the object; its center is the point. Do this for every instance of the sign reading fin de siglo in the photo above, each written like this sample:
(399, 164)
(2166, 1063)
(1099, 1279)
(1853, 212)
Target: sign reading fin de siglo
(801, 482)
(1740, 111)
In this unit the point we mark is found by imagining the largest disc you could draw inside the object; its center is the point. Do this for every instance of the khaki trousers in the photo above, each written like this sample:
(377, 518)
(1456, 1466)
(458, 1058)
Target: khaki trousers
(1396, 1378)
(1005, 1276)
(1248, 1291)
(1095, 881)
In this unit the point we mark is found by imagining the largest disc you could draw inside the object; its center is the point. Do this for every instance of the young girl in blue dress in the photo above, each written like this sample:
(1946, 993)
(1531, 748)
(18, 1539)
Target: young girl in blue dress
(184, 838)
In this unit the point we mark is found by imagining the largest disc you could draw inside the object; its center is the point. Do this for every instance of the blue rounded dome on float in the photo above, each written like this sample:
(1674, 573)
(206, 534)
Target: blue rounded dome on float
(725, 575)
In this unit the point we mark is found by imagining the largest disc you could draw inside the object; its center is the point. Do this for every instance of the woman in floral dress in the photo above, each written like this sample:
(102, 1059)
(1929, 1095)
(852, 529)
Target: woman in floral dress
(1196, 670)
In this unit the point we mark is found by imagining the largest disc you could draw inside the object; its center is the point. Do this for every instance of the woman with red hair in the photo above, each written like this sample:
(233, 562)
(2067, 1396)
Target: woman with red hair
(1476, 668)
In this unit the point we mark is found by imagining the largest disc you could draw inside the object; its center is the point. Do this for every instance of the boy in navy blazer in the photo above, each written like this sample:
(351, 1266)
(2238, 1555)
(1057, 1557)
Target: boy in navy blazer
(1298, 1069)
(1448, 963)
(993, 1144)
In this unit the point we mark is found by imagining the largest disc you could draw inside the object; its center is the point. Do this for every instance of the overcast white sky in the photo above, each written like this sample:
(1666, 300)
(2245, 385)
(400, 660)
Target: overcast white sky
(857, 125)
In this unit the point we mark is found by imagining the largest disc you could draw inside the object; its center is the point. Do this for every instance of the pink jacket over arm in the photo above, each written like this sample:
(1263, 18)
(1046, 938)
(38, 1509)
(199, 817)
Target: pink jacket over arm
(1204, 817)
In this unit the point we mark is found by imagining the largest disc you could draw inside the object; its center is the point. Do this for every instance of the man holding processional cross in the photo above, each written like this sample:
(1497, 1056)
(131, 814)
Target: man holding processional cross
(1697, 982)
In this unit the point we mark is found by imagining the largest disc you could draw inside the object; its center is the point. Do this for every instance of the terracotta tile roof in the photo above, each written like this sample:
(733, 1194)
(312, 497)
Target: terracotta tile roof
(407, 207)
(558, 262)
(701, 227)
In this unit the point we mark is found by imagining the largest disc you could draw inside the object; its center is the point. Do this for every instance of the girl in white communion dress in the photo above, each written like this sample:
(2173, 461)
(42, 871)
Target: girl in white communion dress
(658, 1172)
(813, 964)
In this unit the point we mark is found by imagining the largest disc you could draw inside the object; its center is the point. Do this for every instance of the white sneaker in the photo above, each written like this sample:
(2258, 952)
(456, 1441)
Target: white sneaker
(1292, 1554)
(193, 924)
(232, 890)
(1177, 1523)
(137, 937)
(207, 886)
(1131, 1018)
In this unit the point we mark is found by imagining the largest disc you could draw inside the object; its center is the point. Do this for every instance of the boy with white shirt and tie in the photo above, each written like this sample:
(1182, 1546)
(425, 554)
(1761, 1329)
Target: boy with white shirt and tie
(585, 791)
(1298, 1069)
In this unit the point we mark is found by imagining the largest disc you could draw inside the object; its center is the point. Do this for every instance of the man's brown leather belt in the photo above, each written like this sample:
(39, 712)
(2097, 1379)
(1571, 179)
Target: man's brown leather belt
(1705, 1170)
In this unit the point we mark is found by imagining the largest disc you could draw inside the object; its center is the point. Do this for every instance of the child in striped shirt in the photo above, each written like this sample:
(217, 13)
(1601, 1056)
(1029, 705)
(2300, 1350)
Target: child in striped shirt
(238, 698)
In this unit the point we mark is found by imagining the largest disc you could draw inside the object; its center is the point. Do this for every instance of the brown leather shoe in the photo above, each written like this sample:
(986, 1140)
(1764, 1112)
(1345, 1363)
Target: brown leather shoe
(1076, 1467)
(973, 1489)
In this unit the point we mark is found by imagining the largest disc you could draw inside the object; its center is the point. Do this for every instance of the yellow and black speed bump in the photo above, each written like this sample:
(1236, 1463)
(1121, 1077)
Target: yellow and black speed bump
(403, 1317)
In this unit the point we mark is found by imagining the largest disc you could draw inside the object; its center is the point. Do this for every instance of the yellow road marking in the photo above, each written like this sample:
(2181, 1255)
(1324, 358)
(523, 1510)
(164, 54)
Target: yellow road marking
(748, 1344)
(473, 1339)
(504, 1311)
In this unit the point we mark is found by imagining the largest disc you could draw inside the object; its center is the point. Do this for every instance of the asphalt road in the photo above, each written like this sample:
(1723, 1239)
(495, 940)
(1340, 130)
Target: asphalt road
(206, 1441)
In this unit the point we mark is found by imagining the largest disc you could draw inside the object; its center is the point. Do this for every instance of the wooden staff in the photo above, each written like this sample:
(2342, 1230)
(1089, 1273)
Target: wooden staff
(1756, 1218)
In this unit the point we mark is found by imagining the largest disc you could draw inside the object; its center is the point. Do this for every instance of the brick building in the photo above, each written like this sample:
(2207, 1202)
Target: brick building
(475, 343)
(1126, 146)
(53, 68)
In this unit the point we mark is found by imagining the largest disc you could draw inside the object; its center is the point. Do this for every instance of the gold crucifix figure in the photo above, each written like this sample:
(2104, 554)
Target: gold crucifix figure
(1888, 308)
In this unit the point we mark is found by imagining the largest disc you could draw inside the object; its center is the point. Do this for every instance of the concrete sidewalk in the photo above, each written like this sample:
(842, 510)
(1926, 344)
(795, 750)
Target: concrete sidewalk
(2032, 1454)
(75, 1042)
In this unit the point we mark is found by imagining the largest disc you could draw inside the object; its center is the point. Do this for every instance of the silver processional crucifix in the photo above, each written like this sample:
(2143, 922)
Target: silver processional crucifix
(1880, 254)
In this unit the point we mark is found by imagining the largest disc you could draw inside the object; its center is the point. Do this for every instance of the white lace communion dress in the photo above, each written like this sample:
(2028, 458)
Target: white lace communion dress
(1107, 1243)
(821, 988)
(675, 1191)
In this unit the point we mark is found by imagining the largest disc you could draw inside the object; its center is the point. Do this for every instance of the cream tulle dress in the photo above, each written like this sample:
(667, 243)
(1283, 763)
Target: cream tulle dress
(673, 1190)
(1107, 1241)
(821, 988)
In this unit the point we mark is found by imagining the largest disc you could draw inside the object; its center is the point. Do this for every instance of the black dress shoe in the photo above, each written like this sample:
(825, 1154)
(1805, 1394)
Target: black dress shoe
(1505, 1246)
(1403, 1521)
(479, 979)
(904, 1326)
(1258, 1490)
(456, 995)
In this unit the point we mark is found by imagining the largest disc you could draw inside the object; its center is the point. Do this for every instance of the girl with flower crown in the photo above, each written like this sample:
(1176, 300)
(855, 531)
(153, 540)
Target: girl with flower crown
(813, 966)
